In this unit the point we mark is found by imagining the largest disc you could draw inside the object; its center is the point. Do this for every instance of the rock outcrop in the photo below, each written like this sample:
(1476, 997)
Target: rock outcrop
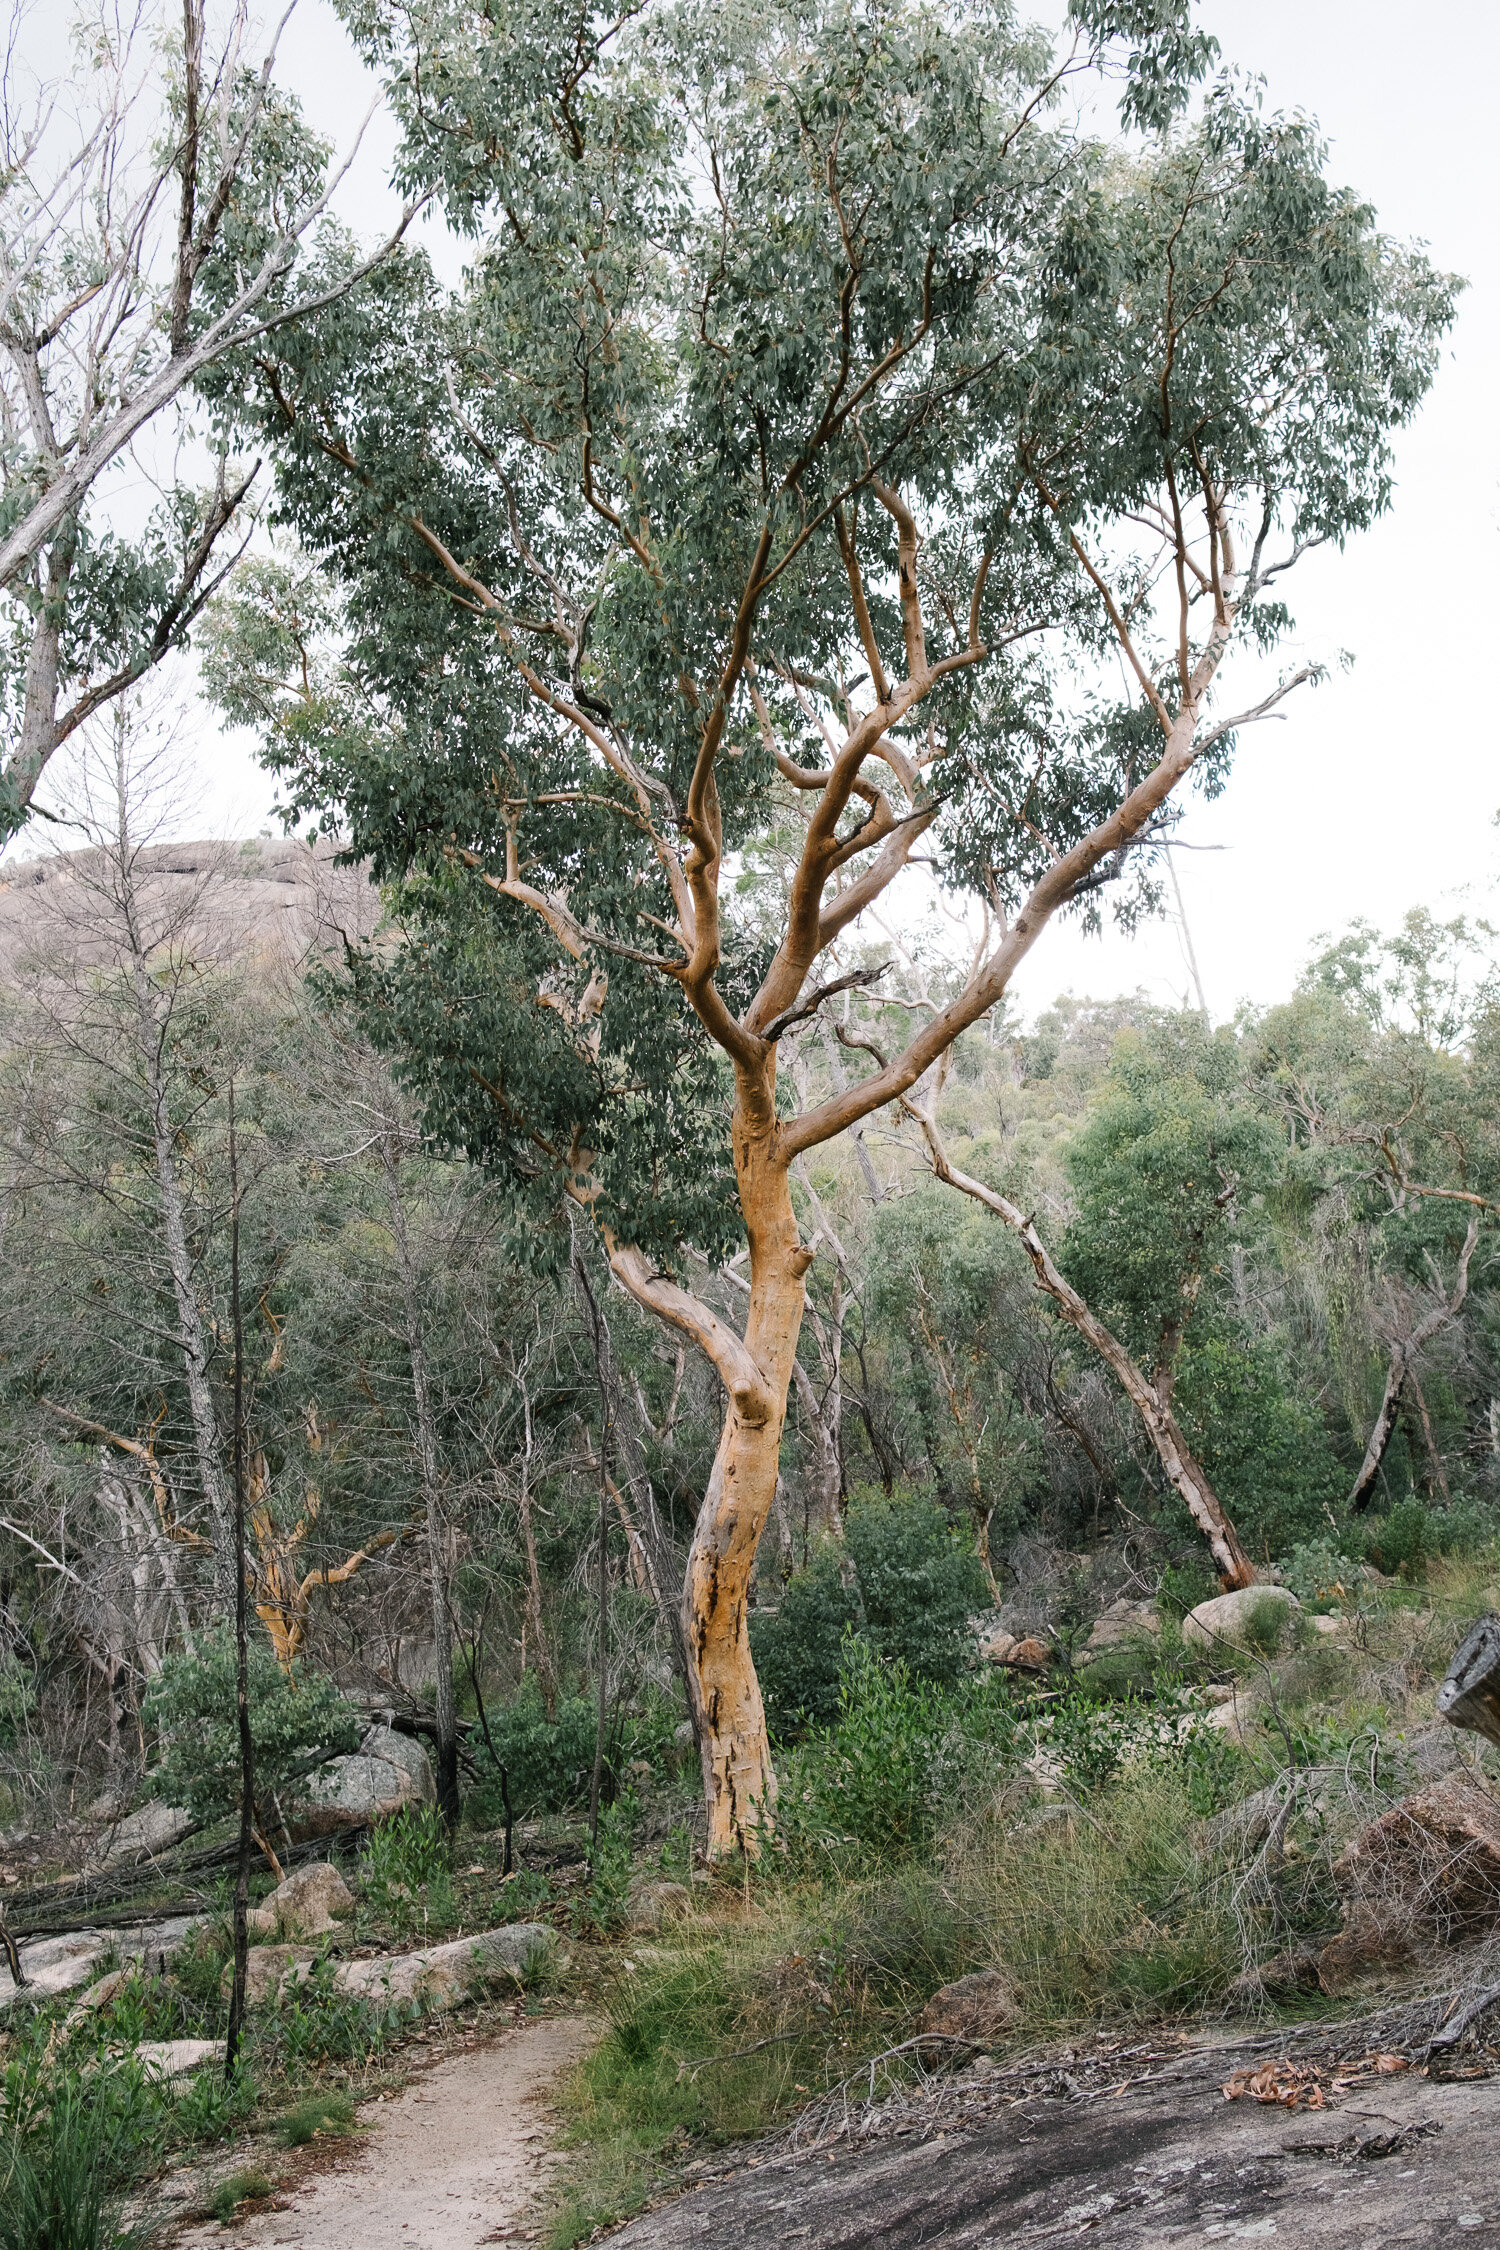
(308, 1904)
(652, 1904)
(1123, 1622)
(388, 1772)
(978, 2007)
(61, 1964)
(1431, 1865)
(141, 1835)
(1229, 1619)
(436, 1977)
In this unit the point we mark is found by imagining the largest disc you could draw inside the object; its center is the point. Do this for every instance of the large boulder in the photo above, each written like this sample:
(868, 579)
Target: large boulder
(1431, 1865)
(177, 2058)
(979, 2007)
(1230, 1620)
(388, 1772)
(652, 1904)
(57, 1964)
(308, 1904)
(267, 1968)
(141, 1835)
(61, 1964)
(1123, 1622)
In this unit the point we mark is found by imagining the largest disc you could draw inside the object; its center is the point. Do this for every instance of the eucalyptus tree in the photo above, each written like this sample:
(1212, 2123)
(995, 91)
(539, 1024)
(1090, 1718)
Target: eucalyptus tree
(820, 423)
(155, 199)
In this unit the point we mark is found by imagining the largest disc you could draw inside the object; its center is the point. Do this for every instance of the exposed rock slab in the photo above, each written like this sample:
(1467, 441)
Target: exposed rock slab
(1164, 2164)
(266, 1970)
(1122, 1623)
(436, 1976)
(177, 2058)
(440, 1975)
(142, 1835)
(61, 1964)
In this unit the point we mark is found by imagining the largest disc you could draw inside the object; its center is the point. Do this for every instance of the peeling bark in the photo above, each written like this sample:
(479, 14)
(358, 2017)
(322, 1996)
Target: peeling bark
(738, 1778)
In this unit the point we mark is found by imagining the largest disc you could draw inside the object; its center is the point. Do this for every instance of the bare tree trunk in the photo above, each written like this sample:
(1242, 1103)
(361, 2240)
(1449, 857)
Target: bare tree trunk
(43, 658)
(604, 1372)
(1403, 1354)
(241, 1633)
(151, 1034)
(1186, 1475)
(1429, 1438)
(980, 1514)
(444, 1713)
(545, 1670)
(739, 1783)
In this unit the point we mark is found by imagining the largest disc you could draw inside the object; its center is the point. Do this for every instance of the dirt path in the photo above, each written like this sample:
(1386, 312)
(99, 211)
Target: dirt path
(450, 2163)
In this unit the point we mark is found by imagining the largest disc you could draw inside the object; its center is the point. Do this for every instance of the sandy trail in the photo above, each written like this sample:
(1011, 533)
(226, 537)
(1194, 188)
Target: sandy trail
(450, 2163)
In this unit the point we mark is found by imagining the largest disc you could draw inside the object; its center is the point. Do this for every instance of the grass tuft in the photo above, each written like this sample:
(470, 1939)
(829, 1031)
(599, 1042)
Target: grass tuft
(319, 2113)
(245, 2186)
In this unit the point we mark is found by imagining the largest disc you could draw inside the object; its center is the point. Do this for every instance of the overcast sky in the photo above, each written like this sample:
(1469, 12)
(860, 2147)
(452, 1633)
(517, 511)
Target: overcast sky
(1379, 790)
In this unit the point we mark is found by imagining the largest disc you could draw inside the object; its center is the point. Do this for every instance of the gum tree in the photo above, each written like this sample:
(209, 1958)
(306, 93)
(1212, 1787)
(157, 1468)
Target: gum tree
(821, 435)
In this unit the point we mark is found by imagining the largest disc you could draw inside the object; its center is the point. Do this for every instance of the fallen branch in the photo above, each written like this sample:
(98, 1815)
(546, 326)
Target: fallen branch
(777, 2039)
(1449, 2034)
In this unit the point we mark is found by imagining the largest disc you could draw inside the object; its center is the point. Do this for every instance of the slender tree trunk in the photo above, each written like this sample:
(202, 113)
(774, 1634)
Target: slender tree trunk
(43, 664)
(545, 1670)
(1429, 1437)
(599, 1337)
(241, 1629)
(445, 1715)
(192, 1332)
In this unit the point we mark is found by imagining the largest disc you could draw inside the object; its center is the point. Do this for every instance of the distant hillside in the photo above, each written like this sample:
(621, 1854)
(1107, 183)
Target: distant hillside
(277, 901)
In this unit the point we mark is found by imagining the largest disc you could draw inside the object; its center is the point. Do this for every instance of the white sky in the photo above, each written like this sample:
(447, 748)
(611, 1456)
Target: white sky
(1380, 789)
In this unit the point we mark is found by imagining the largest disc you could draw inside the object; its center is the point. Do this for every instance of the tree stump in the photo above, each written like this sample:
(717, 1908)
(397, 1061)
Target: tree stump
(1470, 1695)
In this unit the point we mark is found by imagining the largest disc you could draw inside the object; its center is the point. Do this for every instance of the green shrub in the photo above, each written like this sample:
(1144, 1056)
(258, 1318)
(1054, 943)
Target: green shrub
(902, 1582)
(917, 1584)
(1120, 1913)
(902, 1751)
(193, 1703)
(603, 1906)
(549, 1763)
(317, 2023)
(1264, 1446)
(214, 2107)
(17, 1699)
(406, 1870)
(1320, 1574)
(1402, 1541)
(798, 1651)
